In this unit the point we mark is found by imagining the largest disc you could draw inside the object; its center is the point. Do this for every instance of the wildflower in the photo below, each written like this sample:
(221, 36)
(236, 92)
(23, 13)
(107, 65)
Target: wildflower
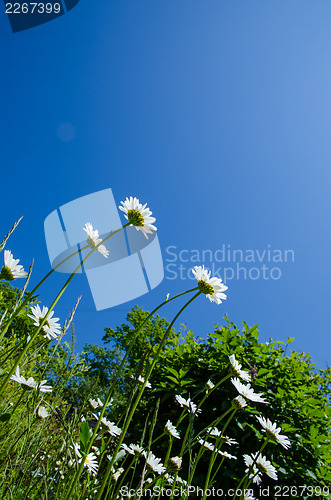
(93, 239)
(51, 326)
(236, 368)
(239, 403)
(90, 461)
(142, 381)
(128, 449)
(11, 270)
(188, 403)
(138, 215)
(171, 429)
(117, 474)
(274, 432)
(96, 450)
(111, 427)
(247, 391)
(226, 455)
(94, 404)
(169, 478)
(30, 383)
(213, 431)
(248, 496)
(154, 463)
(42, 412)
(262, 465)
(181, 481)
(210, 385)
(207, 445)
(138, 450)
(213, 288)
(176, 462)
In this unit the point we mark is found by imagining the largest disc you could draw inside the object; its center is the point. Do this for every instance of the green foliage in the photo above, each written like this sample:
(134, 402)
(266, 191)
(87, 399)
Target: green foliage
(299, 396)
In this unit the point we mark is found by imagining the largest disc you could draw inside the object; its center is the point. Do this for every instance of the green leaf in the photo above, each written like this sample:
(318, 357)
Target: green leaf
(173, 371)
(84, 434)
(172, 379)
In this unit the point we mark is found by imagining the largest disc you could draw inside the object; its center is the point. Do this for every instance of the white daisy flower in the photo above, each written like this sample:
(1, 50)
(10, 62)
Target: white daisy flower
(239, 403)
(95, 448)
(90, 461)
(248, 495)
(213, 288)
(176, 462)
(42, 412)
(138, 215)
(138, 450)
(247, 392)
(226, 454)
(30, 383)
(93, 239)
(210, 385)
(236, 368)
(110, 426)
(153, 463)
(262, 466)
(213, 431)
(188, 403)
(51, 327)
(42, 387)
(142, 381)
(206, 444)
(127, 448)
(181, 481)
(252, 470)
(171, 429)
(117, 474)
(274, 432)
(169, 478)
(94, 404)
(11, 270)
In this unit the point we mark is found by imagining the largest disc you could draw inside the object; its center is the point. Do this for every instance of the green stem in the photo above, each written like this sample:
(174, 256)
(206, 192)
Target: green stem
(213, 457)
(133, 409)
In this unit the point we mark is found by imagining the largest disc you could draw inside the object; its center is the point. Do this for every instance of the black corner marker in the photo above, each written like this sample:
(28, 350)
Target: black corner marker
(24, 15)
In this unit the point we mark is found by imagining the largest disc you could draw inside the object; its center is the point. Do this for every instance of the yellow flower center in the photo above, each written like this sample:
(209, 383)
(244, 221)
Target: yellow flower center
(6, 274)
(270, 435)
(205, 288)
(261, 468)
(135, 218)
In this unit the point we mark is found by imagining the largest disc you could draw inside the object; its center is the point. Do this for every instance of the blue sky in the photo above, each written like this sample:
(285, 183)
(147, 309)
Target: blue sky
(217, 114)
